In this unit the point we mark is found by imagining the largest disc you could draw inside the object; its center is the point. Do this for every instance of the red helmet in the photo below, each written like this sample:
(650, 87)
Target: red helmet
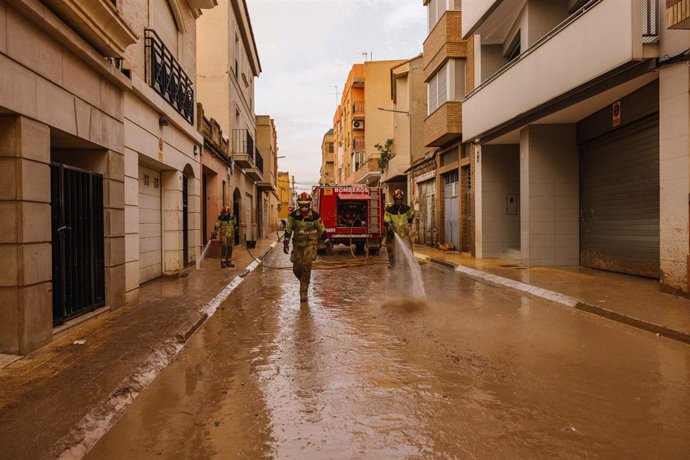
(304, 200)
(398, 194)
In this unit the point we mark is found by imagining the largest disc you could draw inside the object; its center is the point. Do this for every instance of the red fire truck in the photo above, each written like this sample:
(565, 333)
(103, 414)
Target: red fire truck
(352, 214)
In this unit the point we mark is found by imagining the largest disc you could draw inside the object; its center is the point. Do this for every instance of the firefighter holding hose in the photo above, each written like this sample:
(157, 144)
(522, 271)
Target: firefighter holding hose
(305, 228)
(398, 219)
(226, 226)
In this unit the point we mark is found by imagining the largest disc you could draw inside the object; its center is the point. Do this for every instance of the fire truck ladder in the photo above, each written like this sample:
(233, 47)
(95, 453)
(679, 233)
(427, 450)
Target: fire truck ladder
(374, 210)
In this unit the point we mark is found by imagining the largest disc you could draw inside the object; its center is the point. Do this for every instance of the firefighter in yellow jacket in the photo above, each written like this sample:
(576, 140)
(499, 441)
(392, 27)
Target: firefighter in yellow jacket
(305, 228)
(398, 219)
(226, 226)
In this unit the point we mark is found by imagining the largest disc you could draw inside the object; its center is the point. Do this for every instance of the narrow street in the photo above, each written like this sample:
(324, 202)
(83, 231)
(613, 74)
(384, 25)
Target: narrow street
(364, 372)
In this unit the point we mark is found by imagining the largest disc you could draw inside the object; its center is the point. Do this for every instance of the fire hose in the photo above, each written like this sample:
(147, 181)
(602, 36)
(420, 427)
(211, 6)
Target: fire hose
(323, 265)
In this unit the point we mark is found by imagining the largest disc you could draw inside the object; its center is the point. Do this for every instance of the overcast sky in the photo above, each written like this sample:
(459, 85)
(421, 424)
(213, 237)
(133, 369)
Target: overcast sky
(308, 46)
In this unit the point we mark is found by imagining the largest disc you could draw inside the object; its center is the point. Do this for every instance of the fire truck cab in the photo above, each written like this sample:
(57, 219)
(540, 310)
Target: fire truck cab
(352, 214)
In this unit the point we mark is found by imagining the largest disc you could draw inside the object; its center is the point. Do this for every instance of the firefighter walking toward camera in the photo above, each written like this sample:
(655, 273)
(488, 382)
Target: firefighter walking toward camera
(226, 225)
(305, 228)
(398, 219)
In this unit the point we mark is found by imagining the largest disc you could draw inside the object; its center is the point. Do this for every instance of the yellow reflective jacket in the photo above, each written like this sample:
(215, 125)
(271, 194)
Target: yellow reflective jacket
(226, 224)
(304, 230)
(400, 218)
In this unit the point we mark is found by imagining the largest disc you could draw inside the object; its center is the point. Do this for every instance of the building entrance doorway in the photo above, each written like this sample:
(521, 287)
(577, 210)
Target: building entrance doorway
(77, 242)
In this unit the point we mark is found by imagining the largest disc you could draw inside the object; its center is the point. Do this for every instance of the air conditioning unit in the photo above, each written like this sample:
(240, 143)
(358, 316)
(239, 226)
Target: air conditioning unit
(358, 124)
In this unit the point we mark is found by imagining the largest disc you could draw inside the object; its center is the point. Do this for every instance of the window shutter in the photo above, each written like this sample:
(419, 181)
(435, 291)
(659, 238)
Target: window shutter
(441, 9)
(431, 9)
(432, 88)
(442, 77)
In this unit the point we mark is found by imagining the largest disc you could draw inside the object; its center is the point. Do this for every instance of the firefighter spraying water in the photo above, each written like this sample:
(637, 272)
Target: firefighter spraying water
(397, 220)
(305, 228)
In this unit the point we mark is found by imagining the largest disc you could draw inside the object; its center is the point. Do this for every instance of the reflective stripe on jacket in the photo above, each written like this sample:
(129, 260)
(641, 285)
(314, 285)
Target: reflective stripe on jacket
(226, 224)
(400, 217)
(304, 230)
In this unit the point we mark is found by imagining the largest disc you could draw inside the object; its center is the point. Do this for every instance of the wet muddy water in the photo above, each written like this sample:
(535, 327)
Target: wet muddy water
(365, 372)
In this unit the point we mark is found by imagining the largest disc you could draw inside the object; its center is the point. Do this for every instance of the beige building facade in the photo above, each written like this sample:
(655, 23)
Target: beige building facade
(408, 95)
(588, 163)
(78, 110)
(215, 169)
(162, 145)
(267, 150)
(227, 65)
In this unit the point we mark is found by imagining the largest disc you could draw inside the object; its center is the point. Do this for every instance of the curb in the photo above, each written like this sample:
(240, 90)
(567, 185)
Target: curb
(568, 301)
(98, 421)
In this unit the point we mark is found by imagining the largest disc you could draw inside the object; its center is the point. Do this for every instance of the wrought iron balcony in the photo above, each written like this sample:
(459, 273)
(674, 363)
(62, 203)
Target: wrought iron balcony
(165, 75)
(243, 149)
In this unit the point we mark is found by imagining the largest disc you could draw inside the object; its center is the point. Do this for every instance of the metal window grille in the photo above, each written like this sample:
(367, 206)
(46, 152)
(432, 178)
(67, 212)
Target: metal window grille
(165, 75)
(260, 162)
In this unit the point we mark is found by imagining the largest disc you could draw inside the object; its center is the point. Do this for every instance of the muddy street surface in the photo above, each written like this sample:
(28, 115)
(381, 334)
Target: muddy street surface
(366, 371)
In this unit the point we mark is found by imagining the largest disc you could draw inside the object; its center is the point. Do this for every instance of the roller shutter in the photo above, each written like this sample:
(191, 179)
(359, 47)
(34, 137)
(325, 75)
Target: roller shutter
(150, 234)
(619, 199)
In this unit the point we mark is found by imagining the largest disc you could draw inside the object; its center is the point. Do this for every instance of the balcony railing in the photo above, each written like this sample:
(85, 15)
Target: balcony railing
(165, 75)
(678, 14)
(243, 143)
(243, 149)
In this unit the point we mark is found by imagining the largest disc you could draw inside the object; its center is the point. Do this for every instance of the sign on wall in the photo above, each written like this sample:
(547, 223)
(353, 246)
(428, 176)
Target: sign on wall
(616, 113)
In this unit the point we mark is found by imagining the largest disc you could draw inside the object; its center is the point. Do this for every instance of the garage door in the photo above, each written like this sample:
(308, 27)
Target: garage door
(619, 200)
(150, 246)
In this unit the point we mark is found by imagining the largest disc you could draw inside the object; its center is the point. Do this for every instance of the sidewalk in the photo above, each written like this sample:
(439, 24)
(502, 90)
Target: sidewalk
(628, 299)
(47, 393)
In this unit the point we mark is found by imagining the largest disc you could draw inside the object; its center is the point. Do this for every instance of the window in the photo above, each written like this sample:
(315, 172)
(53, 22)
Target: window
(436, 9)
(431, 13)
(237, 53)
(437, 88)
(330, 148)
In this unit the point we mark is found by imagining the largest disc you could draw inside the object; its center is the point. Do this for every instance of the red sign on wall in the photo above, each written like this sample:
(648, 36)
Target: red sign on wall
(616, 113)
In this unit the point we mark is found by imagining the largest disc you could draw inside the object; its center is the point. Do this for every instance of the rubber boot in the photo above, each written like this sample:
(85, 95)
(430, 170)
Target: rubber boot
(303, 291)
(228, 263)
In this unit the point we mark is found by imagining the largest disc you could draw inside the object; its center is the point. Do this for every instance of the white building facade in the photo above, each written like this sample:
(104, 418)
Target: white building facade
(579, 127)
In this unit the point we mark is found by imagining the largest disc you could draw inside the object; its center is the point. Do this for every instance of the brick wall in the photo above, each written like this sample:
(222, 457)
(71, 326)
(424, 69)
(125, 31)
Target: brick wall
(444, 42)
(469, 67)
(136, 14)
(444, 124)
